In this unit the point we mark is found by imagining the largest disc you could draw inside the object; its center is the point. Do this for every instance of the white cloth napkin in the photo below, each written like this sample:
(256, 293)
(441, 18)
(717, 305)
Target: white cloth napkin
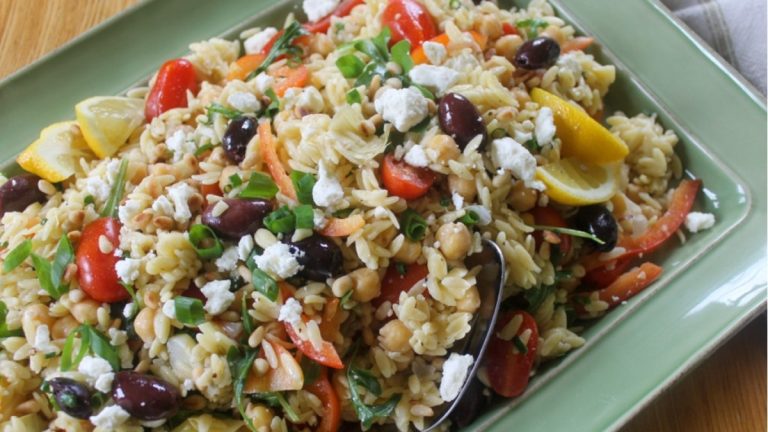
(736, 29)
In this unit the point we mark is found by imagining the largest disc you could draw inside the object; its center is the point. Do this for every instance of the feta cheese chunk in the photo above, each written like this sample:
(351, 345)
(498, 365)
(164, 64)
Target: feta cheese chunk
(435, 52)
(180, 145)
(257, 42)
(264, 82)
(438, 78)
(97, 188)
(128, 211)
(244, 247)
(317, 9)
(545, 126)
(279, 260)
(290, 312)
(455, 371)
(110, 418)
(218, 296)
(458, 200)
(243, 101)
(129, 310)
(327, 191)
(169, 309)
(43, 339)
(404, 108)
(162, 206)
(128, 269)
(98, 372)
(508, 154)
(416, 157)
(228, 260)
(180, 194)
(696, 221)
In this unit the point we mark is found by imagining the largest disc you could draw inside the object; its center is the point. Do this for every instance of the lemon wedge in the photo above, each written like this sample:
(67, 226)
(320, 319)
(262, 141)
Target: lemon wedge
(108, 121)
(581, 135)
(55, 154)
(572, 182)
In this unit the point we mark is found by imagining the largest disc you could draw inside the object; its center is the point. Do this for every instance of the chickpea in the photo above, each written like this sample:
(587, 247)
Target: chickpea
(466, 188)
(522, 198)
(507, 46)
(63, 327)
(409, 252)
(342, 286)
(489, 26)
(144, 324)
(470, 302)
(455, 240)
(394, 336)
(261, 417)
(442, 148)
(33, 316)
(86, 311)
(367, 284)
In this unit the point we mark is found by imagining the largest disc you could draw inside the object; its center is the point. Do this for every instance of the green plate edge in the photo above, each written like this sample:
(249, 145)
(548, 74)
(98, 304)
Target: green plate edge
(629, 364)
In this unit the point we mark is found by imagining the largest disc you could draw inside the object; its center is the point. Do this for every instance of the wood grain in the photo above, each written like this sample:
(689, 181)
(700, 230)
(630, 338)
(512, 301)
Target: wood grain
(726, 393)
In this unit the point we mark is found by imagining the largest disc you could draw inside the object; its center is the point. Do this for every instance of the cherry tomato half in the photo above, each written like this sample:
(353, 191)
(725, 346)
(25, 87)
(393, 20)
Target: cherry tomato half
(410, 20)
(404, 180)
(343, 9)
(395, 282)
(174, 78)
(508, 367)
(95, 269)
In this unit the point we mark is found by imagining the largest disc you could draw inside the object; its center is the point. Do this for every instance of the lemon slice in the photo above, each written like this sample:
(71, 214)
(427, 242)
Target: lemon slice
(572, 182)
(108, 121)
(581, 135)
(55, 154)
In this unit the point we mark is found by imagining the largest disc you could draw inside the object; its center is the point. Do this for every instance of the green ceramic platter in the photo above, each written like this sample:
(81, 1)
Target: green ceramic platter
(711, 286)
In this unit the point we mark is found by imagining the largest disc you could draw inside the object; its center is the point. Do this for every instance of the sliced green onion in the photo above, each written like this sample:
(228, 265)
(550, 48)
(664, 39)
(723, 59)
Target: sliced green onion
(401, 54)
(43, 272)
(305, 216)
(274, 106)
(263, 283)
(205, 242)
(202, 149)
(4, 332)
(454, 4)
(281, 220)
(65, 254)
(413, 225)
(532, 145)
(67, 362)
(17, 256)
(470, 218)
(101, 347)
(353, 97)
(304, 183)
(570, 232)
(88, 200)
(350, 66)
(282, 46)
(259, 185)
(116, 194)
(235, 180)
(189, 311)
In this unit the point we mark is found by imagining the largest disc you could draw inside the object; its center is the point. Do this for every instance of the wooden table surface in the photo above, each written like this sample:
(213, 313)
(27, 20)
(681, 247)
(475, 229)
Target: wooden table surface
(727, 392)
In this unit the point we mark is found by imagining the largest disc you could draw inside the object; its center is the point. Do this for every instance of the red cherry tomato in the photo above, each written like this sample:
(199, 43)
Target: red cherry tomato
(326, 355)
(96, 270)
(174, 78)
(404, 180)
(323, 389)
(395, 282)
(508, 368)
(550, 217)
(410, 20)
(343, 9)
(622, 289)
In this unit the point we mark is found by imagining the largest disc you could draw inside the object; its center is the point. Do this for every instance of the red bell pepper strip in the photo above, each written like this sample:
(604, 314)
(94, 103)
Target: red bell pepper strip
(330, 421)
(173, 80)
(622, 289)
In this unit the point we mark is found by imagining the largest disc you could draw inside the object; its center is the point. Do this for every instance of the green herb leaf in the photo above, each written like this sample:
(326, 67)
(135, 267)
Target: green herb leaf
(4, 332)
(369, 71)
(235, 180)
(470, 218)
(116, 194)
(536, 296)
(189, 311)
(239, 365)
(88, 200)
(17, 256)
(281, 220)
(498, 133)
(216, 108)
(373, 50)
(65, 254)
(43, 272)
(454, 4)
(101, 347)
(282, 46)
(135, 298)
(311, 370)
(248, 324)
(305, 216)
(532, 26)
(276, 400)
(304, 183)
(401, 54)
(519, 344)
(263, 283)
(259, 185)
(532, 145)
(401, 268)
(202, 149)
(350, 66)
(424, 91)
(570, 232)
(343, 213)
(353, 97)
(413, 225)
(367, 414)
(67, 362)
(205, 242)
(367, 380)
(274, 106)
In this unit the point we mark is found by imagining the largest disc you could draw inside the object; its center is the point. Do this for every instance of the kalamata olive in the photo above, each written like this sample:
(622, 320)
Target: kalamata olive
(460, 119)
(236, 138)
(321, 258)
(537, 53)
(243, 216)
(73, 398)
(598, 221)
(145, 397)
(19, 192)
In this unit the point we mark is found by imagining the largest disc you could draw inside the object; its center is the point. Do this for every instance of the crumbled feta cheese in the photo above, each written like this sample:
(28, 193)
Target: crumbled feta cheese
(162, 206)
(327, 191)
(129, 210)
(522, 137)
(438, 78)
(104, 382)
(205, 135)
(117, 337)
(129, 310)
(244, 247)
(317, 9)
(458, 201)
(290, 312)
(257, 42)
(97, 188)
(228, 260)
(435, 52)
(43, 339)
(245, 102)
(509, 154)
(318, 218)
(455, 371)
(310, 100)
(110, 418)
(280, 260)
(416, 157)
(696, 221)
(464, 62)
(188, 384)
(180, 145)
(169, 309)
(98, 372)
(128, 269)
(264, 82)
(218, 296)
(404, 108)
(180, 194)
(545, 126)
(380, 212)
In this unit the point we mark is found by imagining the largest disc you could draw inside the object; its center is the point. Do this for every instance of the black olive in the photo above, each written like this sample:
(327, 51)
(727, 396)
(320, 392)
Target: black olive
(537, 53)
(243, 216)
(598, 221)
(145, 397)
(73, 398)
(321, 258)
(19, 192)
(460, 119)
(236, 138)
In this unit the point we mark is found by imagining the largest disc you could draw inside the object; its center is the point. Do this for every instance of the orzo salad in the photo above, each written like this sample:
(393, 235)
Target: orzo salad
(272, 234)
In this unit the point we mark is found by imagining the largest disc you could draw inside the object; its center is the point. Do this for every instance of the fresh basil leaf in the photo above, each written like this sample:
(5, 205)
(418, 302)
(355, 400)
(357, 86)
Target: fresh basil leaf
(413, 225)
(205, 242)
(350, 66)
(116, 193)
(353, 97)
(311, 370)
(235, 180)
(367, 414)
(17, 256)
(303, 183)
(367, 380)
(281, 220)
(305, 216)
(189, 311)
(263, 283)
(248, 324)
(259, 185)
(239, 365)
(381, 41)
(401, 54)
(216, 108)
(370, 70)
